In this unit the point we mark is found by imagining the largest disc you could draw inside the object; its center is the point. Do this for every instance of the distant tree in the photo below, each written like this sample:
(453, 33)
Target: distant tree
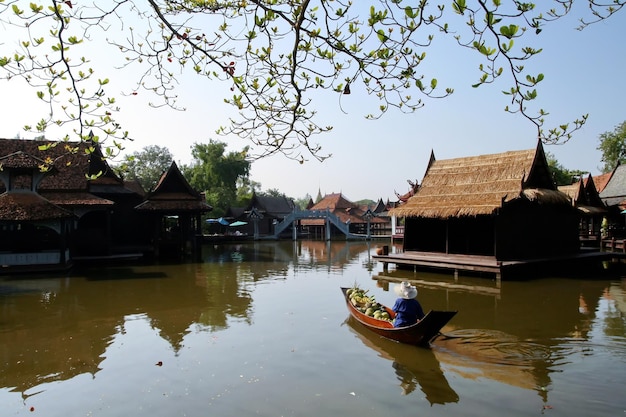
(272, 192)
(366, 202)
(561, 175)
(216, 173)
(245, 188)
(146, 166)
(613, 147)
(303, 202)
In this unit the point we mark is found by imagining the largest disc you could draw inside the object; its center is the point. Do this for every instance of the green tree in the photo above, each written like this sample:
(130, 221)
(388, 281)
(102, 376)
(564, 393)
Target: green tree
(276, 56)
(272, 192)
(560, 174)
(146, 166)
(217, 173)
(613, 147)
(303, 202)
(245, 188)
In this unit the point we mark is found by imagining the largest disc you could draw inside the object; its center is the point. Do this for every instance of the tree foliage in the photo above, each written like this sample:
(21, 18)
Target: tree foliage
(613, 147)
(560, 174)
(147, 166)
(276, 55)
(217, 173)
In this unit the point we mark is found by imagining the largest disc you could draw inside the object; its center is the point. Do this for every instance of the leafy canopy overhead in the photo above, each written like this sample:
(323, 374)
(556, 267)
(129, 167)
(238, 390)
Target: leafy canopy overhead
(277, 56)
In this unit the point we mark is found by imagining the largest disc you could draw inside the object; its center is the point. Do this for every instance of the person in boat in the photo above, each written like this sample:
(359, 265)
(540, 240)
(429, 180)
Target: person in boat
(408, 310)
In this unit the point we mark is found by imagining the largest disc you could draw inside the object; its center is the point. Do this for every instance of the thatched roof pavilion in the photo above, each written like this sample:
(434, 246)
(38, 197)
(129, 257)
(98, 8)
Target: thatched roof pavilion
(480, 185)
(505, 205)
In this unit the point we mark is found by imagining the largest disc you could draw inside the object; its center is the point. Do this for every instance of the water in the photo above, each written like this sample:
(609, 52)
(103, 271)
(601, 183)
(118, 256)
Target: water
(262, 329)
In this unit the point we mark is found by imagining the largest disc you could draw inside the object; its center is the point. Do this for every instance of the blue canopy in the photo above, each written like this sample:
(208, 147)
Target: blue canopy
(238, 223)
(221, 221)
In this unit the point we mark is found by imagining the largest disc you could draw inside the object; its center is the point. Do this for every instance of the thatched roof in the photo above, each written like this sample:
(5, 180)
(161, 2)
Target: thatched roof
(581, 193)
(479, 185)
(576, 192)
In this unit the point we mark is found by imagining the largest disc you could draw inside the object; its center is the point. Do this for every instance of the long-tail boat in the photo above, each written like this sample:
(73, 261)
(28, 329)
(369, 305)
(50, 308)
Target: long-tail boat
(420, 334)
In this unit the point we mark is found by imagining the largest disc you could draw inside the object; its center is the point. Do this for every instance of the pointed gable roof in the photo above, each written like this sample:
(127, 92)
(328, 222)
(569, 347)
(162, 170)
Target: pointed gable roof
(592, 193)
(479, 185)
(601, 180)
(583, 200)
(73, 163)
(380, 207)
(340, 206)
(174, 194)
(273, 206)
(333, 202)
(615, 190)
(576, 192)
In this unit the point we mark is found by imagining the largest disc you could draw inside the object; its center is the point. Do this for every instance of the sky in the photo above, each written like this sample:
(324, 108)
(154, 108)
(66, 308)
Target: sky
(584, 73)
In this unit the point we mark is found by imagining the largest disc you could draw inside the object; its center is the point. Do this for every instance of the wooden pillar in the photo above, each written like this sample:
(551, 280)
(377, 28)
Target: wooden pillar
(327, 228)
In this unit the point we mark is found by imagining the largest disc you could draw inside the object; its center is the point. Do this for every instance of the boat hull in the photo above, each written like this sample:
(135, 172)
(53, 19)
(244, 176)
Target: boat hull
(419, 334)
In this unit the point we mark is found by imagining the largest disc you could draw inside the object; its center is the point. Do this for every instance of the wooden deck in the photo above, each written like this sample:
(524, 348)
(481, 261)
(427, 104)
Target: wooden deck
(477, 264)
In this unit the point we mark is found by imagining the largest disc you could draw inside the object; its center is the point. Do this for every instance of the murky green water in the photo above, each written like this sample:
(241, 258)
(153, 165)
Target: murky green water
(262, 329)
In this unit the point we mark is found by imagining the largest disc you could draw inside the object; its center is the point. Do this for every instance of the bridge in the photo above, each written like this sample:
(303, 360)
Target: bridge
(327, 215)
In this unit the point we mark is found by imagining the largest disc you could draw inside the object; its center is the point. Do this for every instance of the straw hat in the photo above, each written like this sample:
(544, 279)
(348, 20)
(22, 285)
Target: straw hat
(406, 290)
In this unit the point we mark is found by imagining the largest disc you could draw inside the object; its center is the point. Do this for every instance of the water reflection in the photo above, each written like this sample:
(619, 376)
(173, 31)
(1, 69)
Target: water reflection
(512, 338)
(56, 329)
(273, 256)
(412, 365)
(514, 332)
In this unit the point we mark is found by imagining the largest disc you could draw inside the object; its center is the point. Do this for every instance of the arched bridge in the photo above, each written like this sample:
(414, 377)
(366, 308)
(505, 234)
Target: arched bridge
(327, 215)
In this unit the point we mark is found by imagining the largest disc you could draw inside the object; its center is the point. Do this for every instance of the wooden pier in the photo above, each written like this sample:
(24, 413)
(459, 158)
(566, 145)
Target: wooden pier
(489, 265)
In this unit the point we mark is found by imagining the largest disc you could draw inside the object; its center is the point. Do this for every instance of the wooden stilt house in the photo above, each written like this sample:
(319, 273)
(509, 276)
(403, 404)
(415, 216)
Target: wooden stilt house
(175, 209)
(591, 209)
(60, 202)
(503, 205)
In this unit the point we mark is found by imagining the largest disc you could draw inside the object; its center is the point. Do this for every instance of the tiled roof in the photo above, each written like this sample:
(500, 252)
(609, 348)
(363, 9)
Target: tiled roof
(29, 206)
(21, 159)
(615, 190)
(340, 206)
(71, 162)
(76, 199)
(601, 180)
(278, 206)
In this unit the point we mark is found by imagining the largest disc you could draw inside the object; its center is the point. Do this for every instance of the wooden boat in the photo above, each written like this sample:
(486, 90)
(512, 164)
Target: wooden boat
(419, 334)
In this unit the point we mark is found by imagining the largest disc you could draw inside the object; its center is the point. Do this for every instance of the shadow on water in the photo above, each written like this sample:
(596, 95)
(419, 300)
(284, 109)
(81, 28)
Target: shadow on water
(412, 365)
(520, 332)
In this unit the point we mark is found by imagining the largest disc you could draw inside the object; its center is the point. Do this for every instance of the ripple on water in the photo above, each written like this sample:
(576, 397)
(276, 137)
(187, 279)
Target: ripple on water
(494, 347)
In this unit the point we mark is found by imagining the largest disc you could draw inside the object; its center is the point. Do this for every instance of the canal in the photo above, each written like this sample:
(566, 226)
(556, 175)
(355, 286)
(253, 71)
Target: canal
(262, 329)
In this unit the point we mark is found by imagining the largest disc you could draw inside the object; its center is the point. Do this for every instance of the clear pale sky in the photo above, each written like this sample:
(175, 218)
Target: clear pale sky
(584, 73)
